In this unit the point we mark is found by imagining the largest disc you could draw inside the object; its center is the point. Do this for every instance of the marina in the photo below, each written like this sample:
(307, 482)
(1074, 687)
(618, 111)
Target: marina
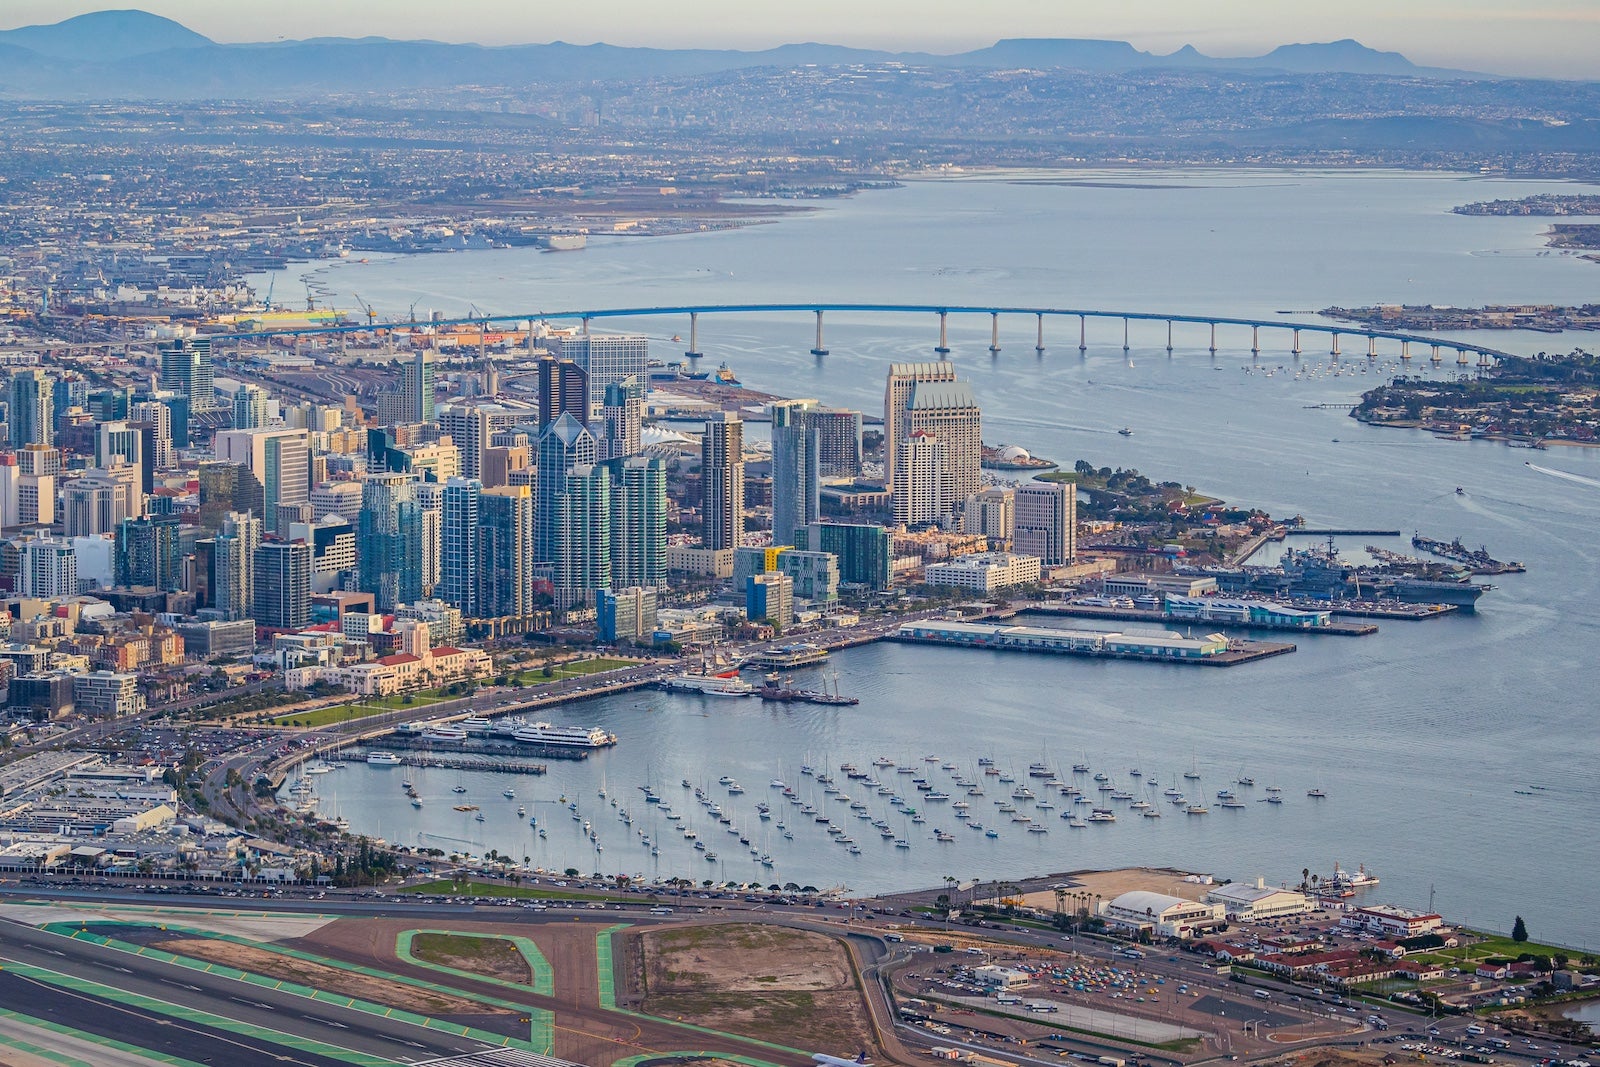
(1131, 614)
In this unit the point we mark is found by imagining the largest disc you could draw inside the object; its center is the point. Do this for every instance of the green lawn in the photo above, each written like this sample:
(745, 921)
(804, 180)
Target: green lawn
(572, 669)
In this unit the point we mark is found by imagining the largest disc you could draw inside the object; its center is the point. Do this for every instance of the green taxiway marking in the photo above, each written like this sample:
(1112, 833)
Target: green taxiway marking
(541, 1028)
(194, 1015)
(608, 1000)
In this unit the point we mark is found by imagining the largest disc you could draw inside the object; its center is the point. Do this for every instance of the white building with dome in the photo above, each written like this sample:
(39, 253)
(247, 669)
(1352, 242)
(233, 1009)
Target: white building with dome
(1161, 915)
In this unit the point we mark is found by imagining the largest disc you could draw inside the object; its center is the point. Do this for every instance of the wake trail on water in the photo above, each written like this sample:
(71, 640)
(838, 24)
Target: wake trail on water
(1566, 475)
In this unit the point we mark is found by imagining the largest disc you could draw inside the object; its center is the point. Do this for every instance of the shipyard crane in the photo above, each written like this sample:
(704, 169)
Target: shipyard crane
(372, 316)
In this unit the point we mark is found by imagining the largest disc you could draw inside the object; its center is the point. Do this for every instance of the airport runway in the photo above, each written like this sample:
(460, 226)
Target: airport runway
(194, 1040)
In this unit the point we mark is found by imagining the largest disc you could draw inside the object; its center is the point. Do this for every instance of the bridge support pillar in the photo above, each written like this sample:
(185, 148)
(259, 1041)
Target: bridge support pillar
(1124, 335)
(943, 347)
(819, 349)
(1434, 357)
(1484, 363)
(1255, 340)
(1213, 338)
(586, 326)
(1038, 345)
(694, 334)
(1083, 333)
(483, 339)
(1405, 351)
(994, 333)
(1169, 337)
(1296, 348)
(1334, 351)
(1372, 346)
(1461, 356)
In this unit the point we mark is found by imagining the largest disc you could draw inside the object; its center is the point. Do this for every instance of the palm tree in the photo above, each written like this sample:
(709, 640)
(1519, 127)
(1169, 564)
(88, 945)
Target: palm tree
(1305, 877)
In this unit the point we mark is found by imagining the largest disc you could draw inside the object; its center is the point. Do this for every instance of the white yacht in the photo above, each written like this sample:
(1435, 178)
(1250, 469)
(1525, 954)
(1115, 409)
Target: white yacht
(542, 733)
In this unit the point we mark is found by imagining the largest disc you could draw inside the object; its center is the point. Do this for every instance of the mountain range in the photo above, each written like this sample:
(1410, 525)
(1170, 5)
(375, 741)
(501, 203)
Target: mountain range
(131, 53)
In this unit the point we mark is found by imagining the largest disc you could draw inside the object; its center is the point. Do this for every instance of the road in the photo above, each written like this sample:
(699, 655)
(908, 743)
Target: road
(256, 1006)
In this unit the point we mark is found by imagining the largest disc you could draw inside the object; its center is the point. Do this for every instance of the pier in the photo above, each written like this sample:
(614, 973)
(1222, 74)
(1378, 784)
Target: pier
(1212, 650)
(454, 761)
(1089, 611)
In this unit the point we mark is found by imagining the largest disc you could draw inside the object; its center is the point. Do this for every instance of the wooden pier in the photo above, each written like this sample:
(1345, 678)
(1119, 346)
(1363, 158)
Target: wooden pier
(457, 762)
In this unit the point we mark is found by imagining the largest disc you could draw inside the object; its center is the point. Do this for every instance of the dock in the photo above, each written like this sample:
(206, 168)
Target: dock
(1383, 609)
(474, 746)
(456, 762)
(1089, 611)
(1157, 647)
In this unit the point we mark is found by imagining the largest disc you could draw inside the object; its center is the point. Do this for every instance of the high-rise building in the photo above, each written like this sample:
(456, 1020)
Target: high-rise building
(796, 469)
(505, 552)
(604, 358)
(186, 370)
(334, 498)
(626, 614)
(922, 489)
(722, 482)
(563, 388)
(233, 565)
(416, 387)
(159, 416)
(581, 524)
(927, 399)
(459, 566)
(430, 506)
(838, 441)
(638, 522)
(282, 598)
(333, 551)
(124, 483)
(389, 541)
(896, 397)
(280, 459)
(865, 552)
(47, 568)
(149, 552)
(250, 407)
(473, 424)
(563, 445)
(769, 597)
(1046, 522)
(622, 412)
(991, 512)
(86, 509)
(31, 414)
(117, 442)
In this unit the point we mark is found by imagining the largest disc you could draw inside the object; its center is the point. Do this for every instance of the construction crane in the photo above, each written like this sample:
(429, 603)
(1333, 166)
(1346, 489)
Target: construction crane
(372, 316)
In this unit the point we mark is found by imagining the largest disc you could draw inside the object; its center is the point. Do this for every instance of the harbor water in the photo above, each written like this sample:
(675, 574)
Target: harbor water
(1459, 755)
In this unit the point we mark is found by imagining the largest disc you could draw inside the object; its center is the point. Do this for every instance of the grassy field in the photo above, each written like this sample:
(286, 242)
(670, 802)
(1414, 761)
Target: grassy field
(478, 954)
(577, 668)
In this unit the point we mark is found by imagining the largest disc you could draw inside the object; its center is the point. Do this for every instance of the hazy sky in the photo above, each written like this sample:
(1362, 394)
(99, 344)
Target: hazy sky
(1552, 37)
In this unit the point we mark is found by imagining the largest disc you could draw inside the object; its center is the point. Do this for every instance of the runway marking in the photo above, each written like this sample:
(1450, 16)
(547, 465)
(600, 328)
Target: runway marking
(81, 1035)
(126, 1001)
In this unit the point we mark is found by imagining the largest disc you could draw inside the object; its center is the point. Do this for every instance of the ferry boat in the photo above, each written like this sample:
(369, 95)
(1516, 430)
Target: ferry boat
(475, 724)
(711, 685)
(542, 733)
(383, 759)
(444, 731)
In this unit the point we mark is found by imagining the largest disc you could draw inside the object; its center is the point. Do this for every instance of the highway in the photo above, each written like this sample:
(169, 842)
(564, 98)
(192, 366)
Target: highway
(256, 1006)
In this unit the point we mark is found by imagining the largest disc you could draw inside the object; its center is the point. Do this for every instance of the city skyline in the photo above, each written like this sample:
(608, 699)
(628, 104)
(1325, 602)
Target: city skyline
(1552, 39)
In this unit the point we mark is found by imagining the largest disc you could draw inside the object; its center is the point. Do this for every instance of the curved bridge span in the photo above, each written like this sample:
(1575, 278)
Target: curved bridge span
(942, 312)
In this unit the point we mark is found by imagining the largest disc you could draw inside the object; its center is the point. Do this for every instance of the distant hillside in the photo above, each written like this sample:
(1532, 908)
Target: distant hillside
(136, 54)
(103, 35)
